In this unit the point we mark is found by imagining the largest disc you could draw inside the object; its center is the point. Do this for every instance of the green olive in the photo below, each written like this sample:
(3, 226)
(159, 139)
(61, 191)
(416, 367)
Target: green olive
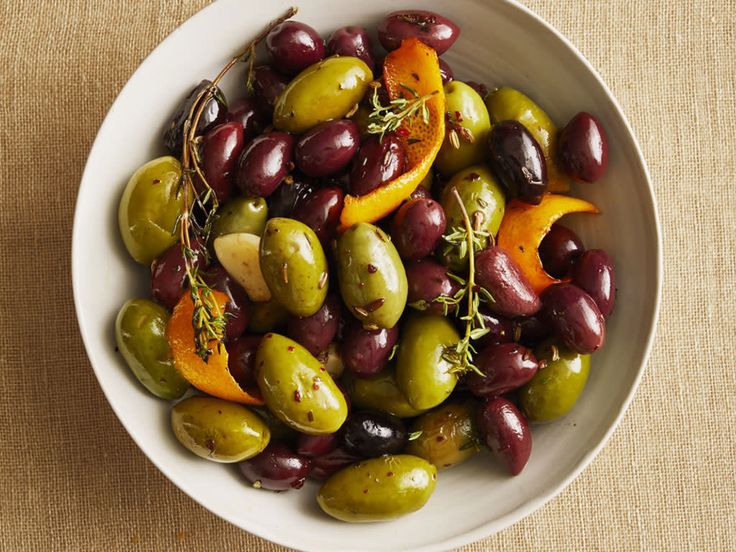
(242, 215)
(266, 317)
(294, 266)
(149, 209)
(468, 117)
(378, 489)
(372, 277)
(422, 374)
(507, 104)
(327, 90)
(446, 436)
(379, 393)
(484, 201)
(555, 388)
(140, 334)
(297, 388)
(219, 430)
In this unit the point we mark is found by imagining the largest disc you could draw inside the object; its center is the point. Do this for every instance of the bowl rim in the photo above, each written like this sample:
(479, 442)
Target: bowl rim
(485, 529)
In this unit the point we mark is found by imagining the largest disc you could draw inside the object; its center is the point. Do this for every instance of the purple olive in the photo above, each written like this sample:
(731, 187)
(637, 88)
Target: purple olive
(371, 434)
(420, 192)
(168, 274)
(479, 87)
(500, 329)
(327, 464)
(238, 304)
(294, 46)
(593, 273)
(532, 330)
(434, 30)
(316, 332)
(241, 358)
(378, 161)
(574, 317)
(583, 148)
(214, 113)
(267, 86)
(505, 432)
(321, 212)
(558, 250)
(289, 198)
(427, 281)
(352, 41)
(446, 72)
(264, 163)
(246, 112)
(506, 366)
(365, 352)
(327, 148)
(221, 148)
(277, 468)
(312, 446)
(518, 161)
(512, 293)
(417, 228)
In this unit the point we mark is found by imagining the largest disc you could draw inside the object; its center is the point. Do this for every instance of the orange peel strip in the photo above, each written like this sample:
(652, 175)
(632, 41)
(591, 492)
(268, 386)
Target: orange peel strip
(413, 64)
(213, 376)
(524, 226)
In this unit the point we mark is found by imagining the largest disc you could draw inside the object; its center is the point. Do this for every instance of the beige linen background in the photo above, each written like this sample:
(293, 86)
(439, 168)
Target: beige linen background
(72, 479)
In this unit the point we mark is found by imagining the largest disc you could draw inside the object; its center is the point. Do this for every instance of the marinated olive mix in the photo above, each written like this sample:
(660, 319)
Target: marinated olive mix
(364, 280)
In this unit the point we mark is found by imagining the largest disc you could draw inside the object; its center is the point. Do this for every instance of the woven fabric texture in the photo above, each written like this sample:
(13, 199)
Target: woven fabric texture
(72, 479)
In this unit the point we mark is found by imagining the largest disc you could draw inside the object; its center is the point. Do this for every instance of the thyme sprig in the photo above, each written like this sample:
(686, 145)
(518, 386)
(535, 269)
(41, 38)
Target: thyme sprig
(389, 118)
(208, 319)
(467, 240)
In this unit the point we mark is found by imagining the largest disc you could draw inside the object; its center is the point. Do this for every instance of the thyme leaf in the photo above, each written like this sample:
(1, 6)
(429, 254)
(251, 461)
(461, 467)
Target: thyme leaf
(389, 118)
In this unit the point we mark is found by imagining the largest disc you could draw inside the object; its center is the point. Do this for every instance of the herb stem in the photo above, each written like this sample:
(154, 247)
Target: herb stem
(471, 260)
(208, 319)
(389, 118)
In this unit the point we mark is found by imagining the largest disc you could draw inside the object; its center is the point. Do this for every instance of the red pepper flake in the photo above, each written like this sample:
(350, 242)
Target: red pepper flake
(372, 269)
(365, 491)
(440, 438)
(315, 383)
(156, 181)
(290, 348)
(402, 132)
(390, 474)
(297, 396)
(322, 369)
(310, 416)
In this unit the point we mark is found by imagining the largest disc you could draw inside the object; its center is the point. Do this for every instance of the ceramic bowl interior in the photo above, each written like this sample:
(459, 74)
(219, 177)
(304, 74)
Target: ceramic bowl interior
(501, 44)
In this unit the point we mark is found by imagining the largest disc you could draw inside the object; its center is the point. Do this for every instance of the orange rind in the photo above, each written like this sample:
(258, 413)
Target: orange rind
(213, 376)
(414, 65)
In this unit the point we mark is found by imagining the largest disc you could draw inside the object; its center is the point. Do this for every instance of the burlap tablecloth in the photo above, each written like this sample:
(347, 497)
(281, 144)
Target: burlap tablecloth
(72, 479)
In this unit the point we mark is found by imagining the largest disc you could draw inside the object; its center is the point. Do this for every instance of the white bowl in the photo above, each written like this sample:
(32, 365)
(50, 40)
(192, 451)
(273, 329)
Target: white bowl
(501, 43)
